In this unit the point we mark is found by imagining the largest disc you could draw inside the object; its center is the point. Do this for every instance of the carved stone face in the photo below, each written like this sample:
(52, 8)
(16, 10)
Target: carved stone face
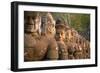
(32, 21)
(50, 28)
(49, 24)
(60, 35)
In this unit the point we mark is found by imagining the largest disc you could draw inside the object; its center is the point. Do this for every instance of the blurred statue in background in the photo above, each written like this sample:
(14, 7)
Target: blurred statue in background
(77, 47)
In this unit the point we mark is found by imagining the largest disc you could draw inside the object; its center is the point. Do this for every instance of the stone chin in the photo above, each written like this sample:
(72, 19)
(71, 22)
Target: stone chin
(31, 30)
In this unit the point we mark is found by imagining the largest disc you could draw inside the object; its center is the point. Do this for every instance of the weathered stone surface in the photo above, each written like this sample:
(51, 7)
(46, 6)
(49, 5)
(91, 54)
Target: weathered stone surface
(63, 50)
(40, 43)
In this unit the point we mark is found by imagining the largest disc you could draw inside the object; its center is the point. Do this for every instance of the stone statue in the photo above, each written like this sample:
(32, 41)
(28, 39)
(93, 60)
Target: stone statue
(60, 37)
(34, 47)
(49, 31)
(38, 47)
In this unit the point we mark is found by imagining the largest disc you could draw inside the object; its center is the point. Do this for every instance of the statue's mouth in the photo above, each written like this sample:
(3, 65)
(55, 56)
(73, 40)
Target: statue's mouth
(27, 26)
